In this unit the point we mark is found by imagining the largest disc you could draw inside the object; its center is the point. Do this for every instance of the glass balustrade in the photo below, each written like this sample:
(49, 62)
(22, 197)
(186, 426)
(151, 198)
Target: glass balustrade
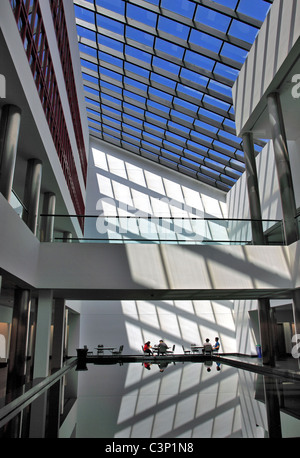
(153, 229)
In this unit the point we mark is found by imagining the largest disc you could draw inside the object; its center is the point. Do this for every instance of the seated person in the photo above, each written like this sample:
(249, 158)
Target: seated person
(162, 347)
(216, 346)
(147, 348)
(207, 347)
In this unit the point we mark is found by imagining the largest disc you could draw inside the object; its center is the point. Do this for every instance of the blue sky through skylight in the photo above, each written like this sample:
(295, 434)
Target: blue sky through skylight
(158, 76)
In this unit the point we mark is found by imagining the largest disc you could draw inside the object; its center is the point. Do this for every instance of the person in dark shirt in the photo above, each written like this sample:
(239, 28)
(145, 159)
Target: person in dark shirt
(162, 347)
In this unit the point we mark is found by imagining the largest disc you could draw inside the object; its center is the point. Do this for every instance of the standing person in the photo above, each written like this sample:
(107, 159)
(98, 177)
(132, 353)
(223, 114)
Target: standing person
(162, 347)
(147, 348)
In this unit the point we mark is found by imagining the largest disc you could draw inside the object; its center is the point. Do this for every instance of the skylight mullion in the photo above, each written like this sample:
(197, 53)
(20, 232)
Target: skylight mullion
(161, 34)
(196, 69)
(210, 4)
(118, 140)
(169, 117)
(198, 26)
(167, 125)
(182, 134)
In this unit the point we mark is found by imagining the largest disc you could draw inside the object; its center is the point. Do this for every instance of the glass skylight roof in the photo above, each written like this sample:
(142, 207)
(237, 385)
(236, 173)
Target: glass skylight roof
(158, 74)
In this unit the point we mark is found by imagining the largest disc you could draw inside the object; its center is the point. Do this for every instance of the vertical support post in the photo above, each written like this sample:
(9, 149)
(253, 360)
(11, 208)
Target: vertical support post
(58, 335)
(253, 190)
(266, 331)
(19, 340)
(272, 407)
(38, 410)
(32, 193)
(9, 136)
(42, 338)
(266, 317)
(283, 168)
(47, 222)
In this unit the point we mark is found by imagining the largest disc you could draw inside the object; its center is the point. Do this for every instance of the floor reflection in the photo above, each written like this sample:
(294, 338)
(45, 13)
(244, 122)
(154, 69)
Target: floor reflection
(175, 399)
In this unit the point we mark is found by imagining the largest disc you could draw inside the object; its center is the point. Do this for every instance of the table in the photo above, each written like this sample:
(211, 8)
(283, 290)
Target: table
(101, 349)
(195, 348)
(155, 350)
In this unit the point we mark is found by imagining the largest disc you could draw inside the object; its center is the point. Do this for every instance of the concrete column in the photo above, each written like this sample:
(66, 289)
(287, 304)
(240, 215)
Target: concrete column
(58, 335)
(272, 407)
(253, 190)
(19, 340)
(47, 222)
(9, 136)
(264, 309)
(283, 168)
(266, 324)
(42, 338)
(32, 193)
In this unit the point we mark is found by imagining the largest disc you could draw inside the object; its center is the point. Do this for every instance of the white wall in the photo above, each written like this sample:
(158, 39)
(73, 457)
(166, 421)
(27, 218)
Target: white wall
(122, 184)
(238, 207)
(125, 180)
(269, 60)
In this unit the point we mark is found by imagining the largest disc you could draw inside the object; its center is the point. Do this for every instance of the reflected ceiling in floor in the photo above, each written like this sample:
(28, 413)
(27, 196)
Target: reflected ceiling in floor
(158, 74)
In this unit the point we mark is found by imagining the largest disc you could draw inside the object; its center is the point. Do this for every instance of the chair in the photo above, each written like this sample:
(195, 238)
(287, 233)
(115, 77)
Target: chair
(100, 350)
(118, 352)
(171, 351)
(185, 351)
(194, 350)
(207, 349)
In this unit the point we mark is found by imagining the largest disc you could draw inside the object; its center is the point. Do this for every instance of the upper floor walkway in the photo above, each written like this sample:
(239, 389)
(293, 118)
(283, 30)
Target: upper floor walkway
(145, 270)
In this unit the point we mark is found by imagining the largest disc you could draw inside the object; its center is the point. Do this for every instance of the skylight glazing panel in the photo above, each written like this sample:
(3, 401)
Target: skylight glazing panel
(182, 7)
(227, 72)
(118, 6)
(138, 54)
(105, 72)
(162, 80)
(139, 36)
(206, 41)
(105, 57)
(191, 92)
(86, 33)
(165, 65)
(199, 61)
(229, 3)
(139, 71)
(84, 14)
(110, 24)
(254, 8)
(243, 31)
(107, 42)
(212, 18)
(234, 52)
(141, 15)
(160, 83)
(172, 27)
(87, 50)
(169, 48)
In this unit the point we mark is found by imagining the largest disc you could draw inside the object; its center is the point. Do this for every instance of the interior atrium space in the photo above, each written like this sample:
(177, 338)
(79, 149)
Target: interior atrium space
(149, 228)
